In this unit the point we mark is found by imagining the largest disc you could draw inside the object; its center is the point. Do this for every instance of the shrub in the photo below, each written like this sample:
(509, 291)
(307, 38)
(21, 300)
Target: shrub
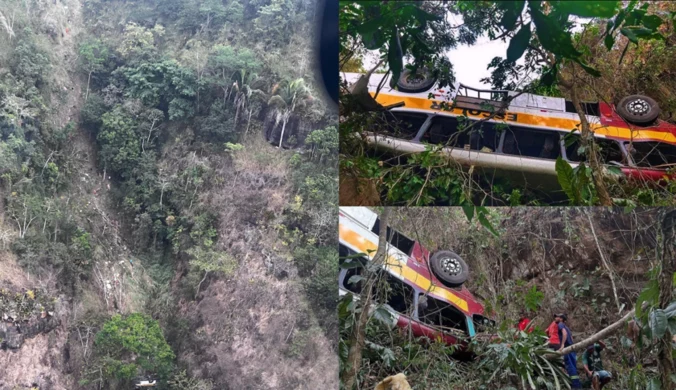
(132, 346)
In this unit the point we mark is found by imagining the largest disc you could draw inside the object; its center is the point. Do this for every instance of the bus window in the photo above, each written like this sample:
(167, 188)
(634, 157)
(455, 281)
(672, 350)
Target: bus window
(444, 130)
(652, 154)
(395, 293)
(435, 312)
(589, 108)
(395, 238)
(480, 136)
(609, 151)
(520, 141)
(357, 265)
(403, 124)
(484, 136)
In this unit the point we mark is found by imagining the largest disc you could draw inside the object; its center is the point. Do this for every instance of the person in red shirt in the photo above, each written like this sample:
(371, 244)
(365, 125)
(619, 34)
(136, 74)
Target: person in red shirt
(553, 333)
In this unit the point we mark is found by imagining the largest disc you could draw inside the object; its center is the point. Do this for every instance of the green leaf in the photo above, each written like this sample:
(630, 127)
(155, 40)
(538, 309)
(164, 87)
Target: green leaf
(371, 34)
(566, 177)
(512, 11)
(589, 69)
(469, 212)
(670, 310)
(395, 58)
(483, 220)
(672, 326)
(626, 342)
(652, 22)
(549, 76)
(552, 35)
(384, 316)
(658, 323)
(349, 264)
(609, 41)
(609, 25)
(369, 27)
(424, 16)
(519, 44)
(630, 34)
(615, 170)
(642, 32)
(589, 9)
(654, 384)
(648, 295)
(355, 279)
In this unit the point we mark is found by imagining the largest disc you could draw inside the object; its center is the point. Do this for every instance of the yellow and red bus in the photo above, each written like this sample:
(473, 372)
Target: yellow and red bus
(425, 291)
(525, 139)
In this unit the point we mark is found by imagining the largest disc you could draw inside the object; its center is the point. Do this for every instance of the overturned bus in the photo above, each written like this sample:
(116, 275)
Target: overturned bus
(424, 291)
(523, 138)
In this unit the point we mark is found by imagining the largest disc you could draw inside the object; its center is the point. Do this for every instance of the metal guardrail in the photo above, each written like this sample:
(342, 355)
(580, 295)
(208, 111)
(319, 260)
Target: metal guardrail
(494, 94)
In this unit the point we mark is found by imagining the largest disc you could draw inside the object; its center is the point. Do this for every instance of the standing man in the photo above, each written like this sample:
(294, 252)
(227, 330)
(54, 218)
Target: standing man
(593, 365)
(570, 359)
(553, 334)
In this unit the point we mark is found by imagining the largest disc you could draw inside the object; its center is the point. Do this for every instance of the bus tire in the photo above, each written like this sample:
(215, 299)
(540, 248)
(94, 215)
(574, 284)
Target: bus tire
(449, 268)
(638, 109)
(415, 86)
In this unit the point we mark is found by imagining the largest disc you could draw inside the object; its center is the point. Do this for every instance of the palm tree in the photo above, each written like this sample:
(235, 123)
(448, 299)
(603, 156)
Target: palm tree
(244, 89)
(291, 96)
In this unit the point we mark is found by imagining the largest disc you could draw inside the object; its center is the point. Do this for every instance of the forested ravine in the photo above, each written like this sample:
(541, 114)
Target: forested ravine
(167, 182)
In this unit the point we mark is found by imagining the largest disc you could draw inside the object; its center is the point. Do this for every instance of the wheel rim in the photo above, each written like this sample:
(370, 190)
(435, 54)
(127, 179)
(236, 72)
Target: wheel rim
(638, 107)
(450, 266)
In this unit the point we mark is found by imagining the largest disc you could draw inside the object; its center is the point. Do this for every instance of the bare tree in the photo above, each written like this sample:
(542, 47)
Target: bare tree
(356, 340)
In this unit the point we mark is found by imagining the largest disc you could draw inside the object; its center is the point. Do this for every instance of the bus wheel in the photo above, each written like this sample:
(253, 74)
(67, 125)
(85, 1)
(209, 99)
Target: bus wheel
(421, 81)
(638, 109)
(449, 268)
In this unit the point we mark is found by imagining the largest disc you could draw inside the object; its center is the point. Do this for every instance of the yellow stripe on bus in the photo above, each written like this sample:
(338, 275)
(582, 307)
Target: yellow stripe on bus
(363, 245)
(536, 120)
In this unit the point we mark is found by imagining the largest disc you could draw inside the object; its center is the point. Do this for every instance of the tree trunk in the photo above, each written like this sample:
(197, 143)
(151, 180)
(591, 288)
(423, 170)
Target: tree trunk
(88, 79)
(281, 137)
(197, 293)
(237, 111)
(356, 341)
(605, 332)
(248, 122)
(587, 140)
(199, 78)
(665, 362)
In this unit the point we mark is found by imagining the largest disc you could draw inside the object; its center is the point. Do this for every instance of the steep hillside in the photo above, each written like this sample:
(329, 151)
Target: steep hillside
(141, 174)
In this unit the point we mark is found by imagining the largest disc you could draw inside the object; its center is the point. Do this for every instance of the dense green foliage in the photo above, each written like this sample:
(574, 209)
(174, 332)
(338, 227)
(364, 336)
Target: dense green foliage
(133, 346)
(127, 133)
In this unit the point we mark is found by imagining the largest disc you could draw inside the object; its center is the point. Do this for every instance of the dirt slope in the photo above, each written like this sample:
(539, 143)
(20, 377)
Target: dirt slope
(255, 329)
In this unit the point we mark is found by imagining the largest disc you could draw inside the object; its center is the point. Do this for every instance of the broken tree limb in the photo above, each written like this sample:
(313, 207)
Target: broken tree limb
(605, 332)
(605, 263)
(360, 91)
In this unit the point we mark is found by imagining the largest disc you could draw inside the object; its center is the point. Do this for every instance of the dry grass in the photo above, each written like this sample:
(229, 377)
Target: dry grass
(11, 273)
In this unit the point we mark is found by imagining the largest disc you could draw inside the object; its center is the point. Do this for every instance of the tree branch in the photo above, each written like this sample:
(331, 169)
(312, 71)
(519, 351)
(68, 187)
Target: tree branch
(605, 332)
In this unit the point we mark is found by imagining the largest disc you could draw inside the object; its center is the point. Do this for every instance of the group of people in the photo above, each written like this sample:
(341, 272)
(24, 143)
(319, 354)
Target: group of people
(561, 337)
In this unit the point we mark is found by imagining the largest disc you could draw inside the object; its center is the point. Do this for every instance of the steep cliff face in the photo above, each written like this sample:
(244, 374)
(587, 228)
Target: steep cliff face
(101, 242)
(255, 328)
